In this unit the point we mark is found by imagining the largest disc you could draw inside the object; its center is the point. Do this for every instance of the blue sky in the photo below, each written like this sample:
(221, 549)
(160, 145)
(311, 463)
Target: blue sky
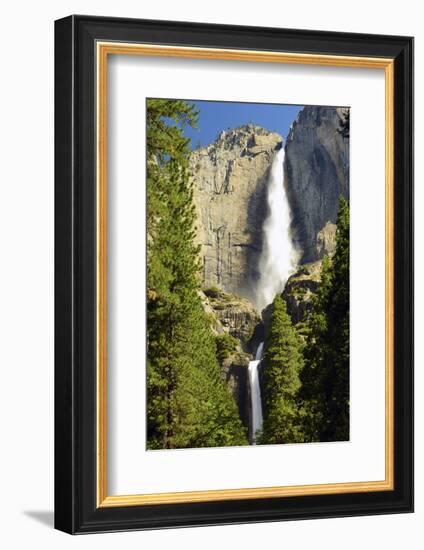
(216, 116)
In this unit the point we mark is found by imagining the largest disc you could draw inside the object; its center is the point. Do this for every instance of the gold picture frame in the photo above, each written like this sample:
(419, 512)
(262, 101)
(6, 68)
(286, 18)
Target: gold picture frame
(106, 49)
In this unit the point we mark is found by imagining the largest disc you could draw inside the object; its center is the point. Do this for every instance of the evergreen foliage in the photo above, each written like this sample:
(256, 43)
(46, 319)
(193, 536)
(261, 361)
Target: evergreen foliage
(305, 387)
(188, 405)
(283, 363)
(225, 346)
(325, 379)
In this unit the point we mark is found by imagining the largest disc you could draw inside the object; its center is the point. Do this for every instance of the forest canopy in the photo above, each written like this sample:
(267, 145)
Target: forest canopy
(188, 405)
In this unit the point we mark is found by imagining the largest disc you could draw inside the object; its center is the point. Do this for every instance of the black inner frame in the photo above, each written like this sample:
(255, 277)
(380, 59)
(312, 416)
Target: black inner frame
(75, 275)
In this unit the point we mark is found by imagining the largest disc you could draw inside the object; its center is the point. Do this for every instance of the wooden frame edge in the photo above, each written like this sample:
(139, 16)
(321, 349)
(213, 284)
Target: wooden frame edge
(101, 269)
(103, 49)
(243, 494)
(390, 274)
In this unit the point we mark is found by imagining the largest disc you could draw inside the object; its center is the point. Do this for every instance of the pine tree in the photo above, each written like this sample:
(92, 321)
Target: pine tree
(283, 362)
(188, 405)
(325, 379)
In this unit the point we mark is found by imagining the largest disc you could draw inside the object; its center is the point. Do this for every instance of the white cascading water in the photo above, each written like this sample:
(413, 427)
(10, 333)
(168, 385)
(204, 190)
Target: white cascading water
(255, 392)
(276, 263)
(278, 257)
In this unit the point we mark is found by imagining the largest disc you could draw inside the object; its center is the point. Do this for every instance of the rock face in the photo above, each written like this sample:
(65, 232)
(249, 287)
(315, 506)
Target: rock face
(230, 177)
(317, 173)
(230, 314)
(233, 315)
(229, 187)
(299, 292)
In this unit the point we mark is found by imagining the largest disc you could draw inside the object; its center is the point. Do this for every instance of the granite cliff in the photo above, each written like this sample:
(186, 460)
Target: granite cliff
(317, 173)
(299, 292)
(229, 186)
(230, 177)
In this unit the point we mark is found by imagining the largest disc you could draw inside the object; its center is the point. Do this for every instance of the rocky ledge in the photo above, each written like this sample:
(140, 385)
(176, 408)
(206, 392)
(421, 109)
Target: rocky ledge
(233, 315)
(236, 325)
(299, 291)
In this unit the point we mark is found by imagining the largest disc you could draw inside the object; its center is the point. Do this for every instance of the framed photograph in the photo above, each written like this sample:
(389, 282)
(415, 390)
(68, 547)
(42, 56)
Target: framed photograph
(234, 274)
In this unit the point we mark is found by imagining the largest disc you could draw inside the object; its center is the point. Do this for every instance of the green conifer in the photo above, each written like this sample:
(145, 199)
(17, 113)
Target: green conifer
(283, 362)
(326, 375)
(188, 405)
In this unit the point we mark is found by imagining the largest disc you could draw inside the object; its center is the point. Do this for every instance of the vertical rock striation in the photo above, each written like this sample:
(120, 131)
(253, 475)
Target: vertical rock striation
(230, 177)
(317, 173)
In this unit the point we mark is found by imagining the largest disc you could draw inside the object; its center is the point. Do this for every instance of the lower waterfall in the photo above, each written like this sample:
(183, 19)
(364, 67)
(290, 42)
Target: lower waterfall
(255, 393)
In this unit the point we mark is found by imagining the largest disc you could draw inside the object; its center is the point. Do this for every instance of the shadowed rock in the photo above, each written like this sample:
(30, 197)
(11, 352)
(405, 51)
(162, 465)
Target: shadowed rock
(317, 173)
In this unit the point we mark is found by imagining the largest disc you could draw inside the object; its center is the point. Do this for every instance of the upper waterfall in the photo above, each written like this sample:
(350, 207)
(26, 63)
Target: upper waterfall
(230, 178)
(278, 257)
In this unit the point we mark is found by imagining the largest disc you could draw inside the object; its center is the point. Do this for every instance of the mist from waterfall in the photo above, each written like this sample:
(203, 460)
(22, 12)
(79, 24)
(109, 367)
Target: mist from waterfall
(279, 257)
